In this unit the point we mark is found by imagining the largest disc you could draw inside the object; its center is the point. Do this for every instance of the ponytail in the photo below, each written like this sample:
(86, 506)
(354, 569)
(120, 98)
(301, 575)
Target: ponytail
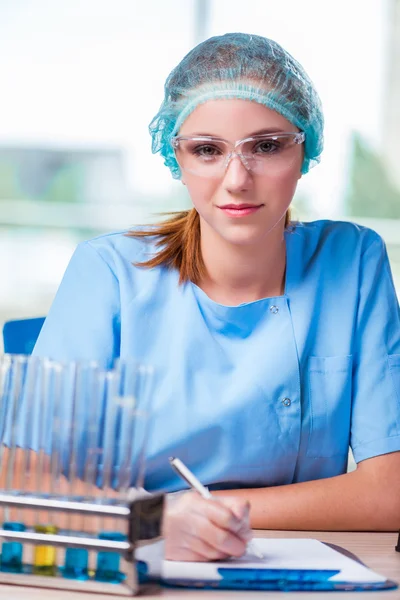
(179, 243)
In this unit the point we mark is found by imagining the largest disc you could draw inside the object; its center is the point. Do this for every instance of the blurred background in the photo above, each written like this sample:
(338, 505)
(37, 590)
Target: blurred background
(82, 79)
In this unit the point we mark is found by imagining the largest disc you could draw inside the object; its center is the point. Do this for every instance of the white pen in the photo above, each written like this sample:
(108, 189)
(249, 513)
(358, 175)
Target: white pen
(204, 492)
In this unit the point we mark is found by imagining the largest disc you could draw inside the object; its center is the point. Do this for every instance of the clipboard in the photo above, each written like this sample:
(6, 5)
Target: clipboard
(218, 576)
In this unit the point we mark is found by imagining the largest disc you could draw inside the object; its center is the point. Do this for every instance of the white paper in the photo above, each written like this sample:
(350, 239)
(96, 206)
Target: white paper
(278, 554)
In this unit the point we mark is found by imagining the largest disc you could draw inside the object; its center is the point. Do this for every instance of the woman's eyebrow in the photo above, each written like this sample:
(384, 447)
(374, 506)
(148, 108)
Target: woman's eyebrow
(268, 130)
(258, 132)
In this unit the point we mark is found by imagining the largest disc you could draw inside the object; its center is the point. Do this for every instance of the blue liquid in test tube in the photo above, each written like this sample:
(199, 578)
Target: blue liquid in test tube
(11, 552)
(108, 562)
(76, 564)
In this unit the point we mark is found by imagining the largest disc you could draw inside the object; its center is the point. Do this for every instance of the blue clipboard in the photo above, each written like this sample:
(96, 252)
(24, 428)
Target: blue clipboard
(286, 587)
(284, 580)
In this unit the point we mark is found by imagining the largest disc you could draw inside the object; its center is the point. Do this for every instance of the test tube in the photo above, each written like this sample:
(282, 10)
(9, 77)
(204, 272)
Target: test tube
(5, 375)
(83, 433)
(45, 556)
(12, 552)
(12, 379)
(137, 384)
(108, 563)
(94, 434)
(27, 437)
(57, 424)
(127, 418)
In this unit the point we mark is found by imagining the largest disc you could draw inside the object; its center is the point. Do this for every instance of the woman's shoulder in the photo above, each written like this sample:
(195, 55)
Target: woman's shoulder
(118, 246)
(325, 233)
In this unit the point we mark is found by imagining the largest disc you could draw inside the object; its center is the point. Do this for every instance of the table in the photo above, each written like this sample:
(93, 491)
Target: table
(376, 550)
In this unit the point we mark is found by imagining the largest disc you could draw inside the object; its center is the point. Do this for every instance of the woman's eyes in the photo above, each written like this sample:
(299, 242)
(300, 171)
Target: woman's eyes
(206, 150)
(267, 147)
(263, 147)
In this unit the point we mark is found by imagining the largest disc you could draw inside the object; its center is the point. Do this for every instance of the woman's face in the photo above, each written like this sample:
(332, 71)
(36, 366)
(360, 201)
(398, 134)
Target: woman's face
(267, 195)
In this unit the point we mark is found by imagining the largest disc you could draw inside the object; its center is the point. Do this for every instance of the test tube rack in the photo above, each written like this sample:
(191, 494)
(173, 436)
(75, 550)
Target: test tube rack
(142, 521)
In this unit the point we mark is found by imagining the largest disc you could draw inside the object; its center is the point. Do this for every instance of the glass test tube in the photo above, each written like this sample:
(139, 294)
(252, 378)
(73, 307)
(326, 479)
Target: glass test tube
(83, 425)
(12, 375)
(126, 431)
(137, 382)
(108, 563)
(45, 556)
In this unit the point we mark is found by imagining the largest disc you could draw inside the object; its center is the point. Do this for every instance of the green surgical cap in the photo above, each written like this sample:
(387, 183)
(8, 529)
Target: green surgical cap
(244, 66)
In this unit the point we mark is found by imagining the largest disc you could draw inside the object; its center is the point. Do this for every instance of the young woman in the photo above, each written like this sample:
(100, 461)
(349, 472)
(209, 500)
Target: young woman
(277, 344)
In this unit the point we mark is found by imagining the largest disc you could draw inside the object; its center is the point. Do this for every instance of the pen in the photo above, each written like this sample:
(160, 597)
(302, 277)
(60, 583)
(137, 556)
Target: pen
(204, 492)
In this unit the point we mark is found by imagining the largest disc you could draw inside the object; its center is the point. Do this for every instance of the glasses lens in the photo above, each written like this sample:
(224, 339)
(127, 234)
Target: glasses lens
(270, 154)
(202, 156)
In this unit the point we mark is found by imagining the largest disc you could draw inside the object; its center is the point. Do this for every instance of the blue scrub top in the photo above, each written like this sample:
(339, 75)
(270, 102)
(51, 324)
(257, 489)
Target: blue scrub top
(266, 393)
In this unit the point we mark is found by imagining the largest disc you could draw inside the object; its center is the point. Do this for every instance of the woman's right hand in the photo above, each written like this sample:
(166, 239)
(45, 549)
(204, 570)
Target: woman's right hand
(196, 529)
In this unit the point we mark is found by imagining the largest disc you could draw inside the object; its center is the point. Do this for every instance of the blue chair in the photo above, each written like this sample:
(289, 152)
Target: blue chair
(20, 336)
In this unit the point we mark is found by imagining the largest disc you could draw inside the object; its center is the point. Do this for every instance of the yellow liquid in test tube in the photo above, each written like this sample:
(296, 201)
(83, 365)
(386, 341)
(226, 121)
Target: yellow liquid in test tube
(45, 557)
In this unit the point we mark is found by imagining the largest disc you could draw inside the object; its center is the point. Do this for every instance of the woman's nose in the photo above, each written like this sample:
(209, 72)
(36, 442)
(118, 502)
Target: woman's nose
(237, 177)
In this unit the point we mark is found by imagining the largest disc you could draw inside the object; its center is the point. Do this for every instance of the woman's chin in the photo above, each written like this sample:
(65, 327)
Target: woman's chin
(245, 235)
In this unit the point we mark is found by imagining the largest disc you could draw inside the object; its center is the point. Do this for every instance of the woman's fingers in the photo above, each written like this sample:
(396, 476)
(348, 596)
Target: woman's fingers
(199, 529)
(241, 509)
(232, 514)
(193, 548)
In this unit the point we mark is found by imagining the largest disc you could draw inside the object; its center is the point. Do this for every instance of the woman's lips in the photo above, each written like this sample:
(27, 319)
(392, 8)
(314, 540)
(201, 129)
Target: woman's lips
(240, 210)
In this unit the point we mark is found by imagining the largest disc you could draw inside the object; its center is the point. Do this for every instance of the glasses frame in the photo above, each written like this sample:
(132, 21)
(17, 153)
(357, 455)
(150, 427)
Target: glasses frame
(298, 138)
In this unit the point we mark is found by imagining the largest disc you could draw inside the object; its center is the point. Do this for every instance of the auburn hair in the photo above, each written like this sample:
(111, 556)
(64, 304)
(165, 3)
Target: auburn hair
(178, 240)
